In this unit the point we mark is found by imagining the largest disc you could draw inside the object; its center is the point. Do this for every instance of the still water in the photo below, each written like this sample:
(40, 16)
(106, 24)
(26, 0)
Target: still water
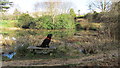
(31, 36)
(28, 32)
(11, 39)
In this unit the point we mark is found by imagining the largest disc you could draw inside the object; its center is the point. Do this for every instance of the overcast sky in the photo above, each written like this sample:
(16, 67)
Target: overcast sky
(28, 5)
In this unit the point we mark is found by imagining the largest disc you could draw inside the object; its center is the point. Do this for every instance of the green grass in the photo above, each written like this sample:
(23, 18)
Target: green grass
(7, 23)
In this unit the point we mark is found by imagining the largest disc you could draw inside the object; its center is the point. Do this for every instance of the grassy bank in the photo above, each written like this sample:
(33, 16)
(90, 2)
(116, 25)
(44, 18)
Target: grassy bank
(7, 23)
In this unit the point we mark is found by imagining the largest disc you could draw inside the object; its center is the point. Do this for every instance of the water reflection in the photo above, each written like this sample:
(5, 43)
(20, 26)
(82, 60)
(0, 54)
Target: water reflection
(28, 32)
(28, 37)
(12, 38)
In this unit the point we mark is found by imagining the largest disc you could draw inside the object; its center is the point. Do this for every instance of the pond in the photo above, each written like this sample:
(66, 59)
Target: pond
(34, 32)
(18, 40)
(38, 35)
(21, 35)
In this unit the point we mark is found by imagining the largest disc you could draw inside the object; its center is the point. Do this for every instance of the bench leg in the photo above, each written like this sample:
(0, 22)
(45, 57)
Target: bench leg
(33, 51)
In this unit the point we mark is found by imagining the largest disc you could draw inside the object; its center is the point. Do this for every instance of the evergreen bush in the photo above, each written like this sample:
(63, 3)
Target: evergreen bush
(26, 21)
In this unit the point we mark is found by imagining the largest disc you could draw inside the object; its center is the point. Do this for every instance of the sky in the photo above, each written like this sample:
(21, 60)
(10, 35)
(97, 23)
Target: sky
(28, 5)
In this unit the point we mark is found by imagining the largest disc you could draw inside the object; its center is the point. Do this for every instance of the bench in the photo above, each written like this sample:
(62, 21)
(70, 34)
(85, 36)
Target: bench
(35, 49)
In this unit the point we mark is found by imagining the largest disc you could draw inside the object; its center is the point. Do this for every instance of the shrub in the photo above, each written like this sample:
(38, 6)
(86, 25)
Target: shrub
(90, 50)
(89, 17)
(78, 26)
(65, 21)
(62, 21)
(26, 21)
(92, 17)
(21, 50)
(44, 22)
(72, 13)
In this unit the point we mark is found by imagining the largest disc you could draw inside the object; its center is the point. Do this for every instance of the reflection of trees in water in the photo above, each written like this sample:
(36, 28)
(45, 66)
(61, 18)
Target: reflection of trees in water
(34, 37)
(25, 32)
(56, 33)
(10, 33)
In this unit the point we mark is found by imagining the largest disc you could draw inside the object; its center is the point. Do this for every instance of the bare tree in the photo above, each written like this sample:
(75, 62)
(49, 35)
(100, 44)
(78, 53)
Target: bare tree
(49, 8)
(36, 6)
(103, 5)
(65, 7)
(53, 7)
(114, 14)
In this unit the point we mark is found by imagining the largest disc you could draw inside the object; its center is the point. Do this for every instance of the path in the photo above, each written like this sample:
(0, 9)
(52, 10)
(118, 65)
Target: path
(57, 62)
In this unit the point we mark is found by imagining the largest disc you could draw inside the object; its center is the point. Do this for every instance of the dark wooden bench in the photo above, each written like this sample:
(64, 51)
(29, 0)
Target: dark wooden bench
(35, 49)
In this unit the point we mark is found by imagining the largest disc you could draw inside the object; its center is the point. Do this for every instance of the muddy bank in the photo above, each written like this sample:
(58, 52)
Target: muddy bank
(104, 59)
